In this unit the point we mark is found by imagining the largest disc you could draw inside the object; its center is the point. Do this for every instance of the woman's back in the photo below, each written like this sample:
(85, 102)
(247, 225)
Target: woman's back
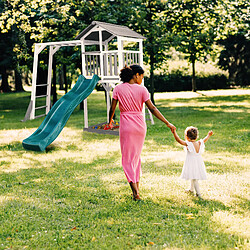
(130, 96)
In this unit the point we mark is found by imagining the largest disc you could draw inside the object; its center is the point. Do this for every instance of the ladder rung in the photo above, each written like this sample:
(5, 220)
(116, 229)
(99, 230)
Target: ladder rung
(40, 85)
(39, 116)
(41, 107)
(40, 96)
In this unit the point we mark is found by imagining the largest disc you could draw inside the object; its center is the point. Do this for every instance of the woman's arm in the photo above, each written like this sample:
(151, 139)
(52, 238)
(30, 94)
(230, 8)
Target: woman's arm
(112, 111)
(210, 133)
(158, 114)
(178, 139)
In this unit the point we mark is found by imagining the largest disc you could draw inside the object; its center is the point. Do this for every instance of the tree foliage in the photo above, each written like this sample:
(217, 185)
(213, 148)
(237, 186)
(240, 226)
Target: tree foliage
(150, 20)
(41, 21)
(235, 57)
(235, 40)
(191, 26)
(196, 25)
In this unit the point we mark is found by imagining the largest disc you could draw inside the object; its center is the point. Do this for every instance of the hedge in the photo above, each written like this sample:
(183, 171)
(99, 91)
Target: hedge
(177, 82)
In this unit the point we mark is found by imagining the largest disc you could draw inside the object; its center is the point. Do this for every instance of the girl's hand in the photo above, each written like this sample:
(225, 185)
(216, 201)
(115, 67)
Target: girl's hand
(210, 133)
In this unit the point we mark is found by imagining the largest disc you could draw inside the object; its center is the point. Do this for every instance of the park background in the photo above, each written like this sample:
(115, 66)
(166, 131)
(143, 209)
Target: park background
(75, 194)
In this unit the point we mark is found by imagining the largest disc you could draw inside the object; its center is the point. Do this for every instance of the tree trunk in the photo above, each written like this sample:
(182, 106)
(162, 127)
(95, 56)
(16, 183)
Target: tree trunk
(61, 79)
(26, 79)
(18, 80)
(193, 77)
(5, 84)
(81, 105)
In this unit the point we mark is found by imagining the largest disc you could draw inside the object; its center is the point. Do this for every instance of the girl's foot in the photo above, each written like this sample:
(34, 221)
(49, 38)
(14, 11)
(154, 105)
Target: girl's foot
(188, 191)
(199, 196)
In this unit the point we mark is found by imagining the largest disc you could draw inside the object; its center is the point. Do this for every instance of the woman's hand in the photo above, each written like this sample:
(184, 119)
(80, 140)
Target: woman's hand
(172, 127)
(110, 124)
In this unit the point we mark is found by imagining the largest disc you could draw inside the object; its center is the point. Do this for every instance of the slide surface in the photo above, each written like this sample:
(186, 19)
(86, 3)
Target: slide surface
(59, 114)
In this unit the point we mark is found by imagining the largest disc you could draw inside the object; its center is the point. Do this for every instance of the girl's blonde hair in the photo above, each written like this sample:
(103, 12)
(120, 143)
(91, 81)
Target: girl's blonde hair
(192, 133)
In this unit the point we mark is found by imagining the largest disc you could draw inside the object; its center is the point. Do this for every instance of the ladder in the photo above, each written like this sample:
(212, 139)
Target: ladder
(32, 108)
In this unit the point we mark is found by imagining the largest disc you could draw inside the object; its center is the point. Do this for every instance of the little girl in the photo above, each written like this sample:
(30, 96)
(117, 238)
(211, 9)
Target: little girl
(194, 167)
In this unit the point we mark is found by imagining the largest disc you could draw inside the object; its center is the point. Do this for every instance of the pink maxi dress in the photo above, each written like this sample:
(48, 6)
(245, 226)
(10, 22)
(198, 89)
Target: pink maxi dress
(132, 127)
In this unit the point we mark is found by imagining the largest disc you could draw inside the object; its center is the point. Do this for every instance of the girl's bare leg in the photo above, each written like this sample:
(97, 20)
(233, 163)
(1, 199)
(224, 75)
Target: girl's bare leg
(192, 185)
(197, 188)
(191, 190)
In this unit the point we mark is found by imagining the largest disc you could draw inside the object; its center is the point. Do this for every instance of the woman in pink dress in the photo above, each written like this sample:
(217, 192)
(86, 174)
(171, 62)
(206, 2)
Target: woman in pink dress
(131, 96)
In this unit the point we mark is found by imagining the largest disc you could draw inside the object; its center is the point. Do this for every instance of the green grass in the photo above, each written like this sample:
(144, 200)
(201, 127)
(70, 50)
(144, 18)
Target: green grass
(75, 195)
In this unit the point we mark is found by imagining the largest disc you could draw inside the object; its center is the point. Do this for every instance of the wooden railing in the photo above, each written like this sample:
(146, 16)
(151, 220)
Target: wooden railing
(92, 63)
(110, 62)
(131, 57)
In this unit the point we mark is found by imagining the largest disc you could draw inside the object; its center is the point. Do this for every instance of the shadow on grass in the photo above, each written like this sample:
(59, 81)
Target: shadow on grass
(244, 203)
(69, 204)
(113, 220)
(211, 205)
(13, 146)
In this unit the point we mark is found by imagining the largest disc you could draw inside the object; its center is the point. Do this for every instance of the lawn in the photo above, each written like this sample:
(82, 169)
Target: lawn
(75, 195)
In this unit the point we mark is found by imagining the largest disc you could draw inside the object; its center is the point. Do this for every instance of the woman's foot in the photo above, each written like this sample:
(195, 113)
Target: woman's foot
(134, 189)
(136, 197)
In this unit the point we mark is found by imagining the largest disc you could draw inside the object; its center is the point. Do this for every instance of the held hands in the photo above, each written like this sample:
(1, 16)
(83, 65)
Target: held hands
(172, 127)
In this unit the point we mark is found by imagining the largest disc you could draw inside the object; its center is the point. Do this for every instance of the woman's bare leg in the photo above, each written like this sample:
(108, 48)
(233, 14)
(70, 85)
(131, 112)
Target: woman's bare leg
(135, 190)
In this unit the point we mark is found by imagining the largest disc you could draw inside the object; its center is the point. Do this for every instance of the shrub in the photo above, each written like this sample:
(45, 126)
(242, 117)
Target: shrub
(178, 82)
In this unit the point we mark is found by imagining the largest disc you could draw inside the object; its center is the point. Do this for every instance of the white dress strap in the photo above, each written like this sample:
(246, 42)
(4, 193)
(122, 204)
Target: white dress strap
(190, 147)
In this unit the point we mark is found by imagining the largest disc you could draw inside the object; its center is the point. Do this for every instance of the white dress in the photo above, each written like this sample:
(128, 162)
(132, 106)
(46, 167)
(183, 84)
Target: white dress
(194, 167)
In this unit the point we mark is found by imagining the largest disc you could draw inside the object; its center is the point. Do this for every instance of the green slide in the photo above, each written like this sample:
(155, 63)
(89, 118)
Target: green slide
(59, 114)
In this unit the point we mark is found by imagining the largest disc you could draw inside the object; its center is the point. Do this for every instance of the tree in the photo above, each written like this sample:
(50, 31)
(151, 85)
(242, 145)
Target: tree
(41, 21)
(112, 11)
(235, 57)
(195, 27)
(235, 40)
(6, 56)
(147, 18)
(150, 20)
(234, 18)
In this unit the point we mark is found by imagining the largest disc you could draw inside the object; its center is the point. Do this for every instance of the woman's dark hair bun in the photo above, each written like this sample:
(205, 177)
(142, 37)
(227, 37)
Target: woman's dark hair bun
(126, 74)
(137, 69)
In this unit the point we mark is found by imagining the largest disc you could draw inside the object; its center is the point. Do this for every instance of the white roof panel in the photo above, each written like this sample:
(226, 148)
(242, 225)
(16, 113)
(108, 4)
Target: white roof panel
(109, 30)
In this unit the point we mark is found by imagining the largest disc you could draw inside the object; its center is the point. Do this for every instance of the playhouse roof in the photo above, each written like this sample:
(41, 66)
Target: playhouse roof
(109, 30)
